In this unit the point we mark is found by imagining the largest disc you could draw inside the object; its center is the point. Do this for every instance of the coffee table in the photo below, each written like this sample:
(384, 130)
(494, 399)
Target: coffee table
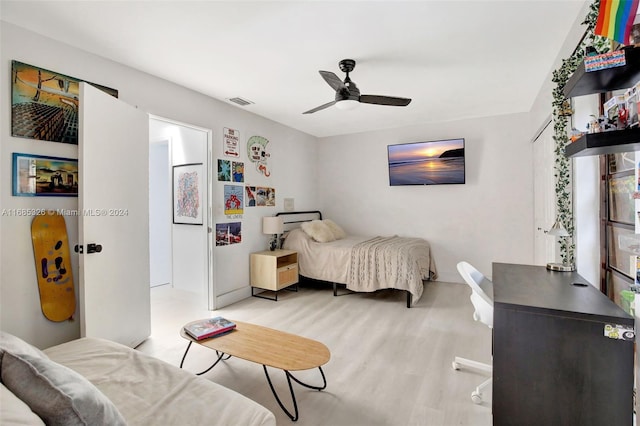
(270, 348)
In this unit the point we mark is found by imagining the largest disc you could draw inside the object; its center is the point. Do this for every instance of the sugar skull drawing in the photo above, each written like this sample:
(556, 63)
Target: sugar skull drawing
(257, 151)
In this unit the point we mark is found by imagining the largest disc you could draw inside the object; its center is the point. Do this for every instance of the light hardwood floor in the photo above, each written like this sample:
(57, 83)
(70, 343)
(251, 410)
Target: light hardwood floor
(389, 365)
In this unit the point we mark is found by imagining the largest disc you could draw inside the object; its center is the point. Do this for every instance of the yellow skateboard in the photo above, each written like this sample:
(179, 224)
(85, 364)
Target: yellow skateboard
(53, 266)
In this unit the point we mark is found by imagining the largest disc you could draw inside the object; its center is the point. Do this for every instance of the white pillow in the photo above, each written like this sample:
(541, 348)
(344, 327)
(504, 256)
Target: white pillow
(318, 230)
(57, 394)
(338, 233)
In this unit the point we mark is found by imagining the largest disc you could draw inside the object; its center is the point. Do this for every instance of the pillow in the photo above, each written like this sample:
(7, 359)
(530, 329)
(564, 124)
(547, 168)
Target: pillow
(338, 233)
(57, 394)
(15, 345)
(318, 230)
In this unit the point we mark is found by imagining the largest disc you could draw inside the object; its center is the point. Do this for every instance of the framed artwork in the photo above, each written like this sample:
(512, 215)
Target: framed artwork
(39, 175)
(188, 184)
(44, 104)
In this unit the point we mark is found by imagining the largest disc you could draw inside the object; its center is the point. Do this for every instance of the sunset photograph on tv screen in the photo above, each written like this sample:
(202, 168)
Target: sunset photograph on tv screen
(427, 163)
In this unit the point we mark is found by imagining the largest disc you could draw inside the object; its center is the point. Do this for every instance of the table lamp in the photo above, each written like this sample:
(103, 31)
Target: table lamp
(557, 230)
(272, 225)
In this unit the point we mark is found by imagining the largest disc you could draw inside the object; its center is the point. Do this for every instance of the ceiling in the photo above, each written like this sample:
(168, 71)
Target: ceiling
(455, 59)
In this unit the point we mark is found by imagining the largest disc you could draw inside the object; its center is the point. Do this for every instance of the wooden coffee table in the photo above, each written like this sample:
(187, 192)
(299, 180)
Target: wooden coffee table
(270, 348)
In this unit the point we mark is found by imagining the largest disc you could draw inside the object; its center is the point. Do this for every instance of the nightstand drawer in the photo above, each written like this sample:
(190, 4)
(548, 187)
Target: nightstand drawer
(287, 275)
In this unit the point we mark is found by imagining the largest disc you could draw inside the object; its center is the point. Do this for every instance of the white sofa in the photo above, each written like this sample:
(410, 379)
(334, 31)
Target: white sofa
(93, 382)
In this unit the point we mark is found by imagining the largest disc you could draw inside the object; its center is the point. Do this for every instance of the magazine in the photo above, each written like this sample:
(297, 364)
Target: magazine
(209, 327)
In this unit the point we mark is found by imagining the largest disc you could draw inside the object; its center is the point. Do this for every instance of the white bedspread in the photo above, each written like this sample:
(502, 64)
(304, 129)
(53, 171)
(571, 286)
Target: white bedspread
(148, 391)
(322, 261)
(391, 262)
(333, 262)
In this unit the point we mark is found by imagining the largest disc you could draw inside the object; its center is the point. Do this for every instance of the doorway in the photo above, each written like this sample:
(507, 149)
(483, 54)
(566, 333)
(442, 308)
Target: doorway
(181, 255)
(159, 213)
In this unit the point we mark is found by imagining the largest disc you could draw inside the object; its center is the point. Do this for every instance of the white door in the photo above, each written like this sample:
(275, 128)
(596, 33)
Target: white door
(113, 200)
(544, 196)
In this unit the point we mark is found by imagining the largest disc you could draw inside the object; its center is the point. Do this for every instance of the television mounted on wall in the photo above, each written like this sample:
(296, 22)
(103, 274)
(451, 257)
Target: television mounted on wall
(438, 162)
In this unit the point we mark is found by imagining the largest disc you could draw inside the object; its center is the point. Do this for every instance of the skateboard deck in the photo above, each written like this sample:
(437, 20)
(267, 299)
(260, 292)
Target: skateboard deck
(53, 266)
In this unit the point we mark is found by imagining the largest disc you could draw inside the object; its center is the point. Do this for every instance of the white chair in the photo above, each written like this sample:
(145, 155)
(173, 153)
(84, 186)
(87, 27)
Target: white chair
(483, 304)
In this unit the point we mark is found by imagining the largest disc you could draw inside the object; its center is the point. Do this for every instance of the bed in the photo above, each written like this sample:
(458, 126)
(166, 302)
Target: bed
(91, 381)
(361, 263)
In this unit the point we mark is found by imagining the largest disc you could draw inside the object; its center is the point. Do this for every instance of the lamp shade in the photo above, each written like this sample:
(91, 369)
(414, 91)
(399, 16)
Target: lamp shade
(347, 104)
(272, 225)
(557, 230)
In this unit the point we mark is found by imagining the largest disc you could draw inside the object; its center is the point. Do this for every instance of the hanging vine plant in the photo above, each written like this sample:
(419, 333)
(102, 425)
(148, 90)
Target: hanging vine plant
(562, 168)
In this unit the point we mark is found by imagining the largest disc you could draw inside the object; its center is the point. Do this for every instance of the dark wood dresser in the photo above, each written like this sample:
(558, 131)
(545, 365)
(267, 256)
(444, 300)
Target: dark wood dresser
(552, 363)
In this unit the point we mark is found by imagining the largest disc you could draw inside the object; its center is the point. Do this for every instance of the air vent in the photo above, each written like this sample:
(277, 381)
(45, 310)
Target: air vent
(240, 101)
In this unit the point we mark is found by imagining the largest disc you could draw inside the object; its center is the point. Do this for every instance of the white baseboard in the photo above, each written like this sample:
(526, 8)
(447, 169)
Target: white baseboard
(232, 297)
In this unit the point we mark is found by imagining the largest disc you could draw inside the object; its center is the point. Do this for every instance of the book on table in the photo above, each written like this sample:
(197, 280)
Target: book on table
(209, 327)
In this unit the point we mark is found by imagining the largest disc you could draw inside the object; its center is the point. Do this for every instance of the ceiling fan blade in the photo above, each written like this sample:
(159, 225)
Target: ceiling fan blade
(327, 105)
(333, 80)
(384, 100)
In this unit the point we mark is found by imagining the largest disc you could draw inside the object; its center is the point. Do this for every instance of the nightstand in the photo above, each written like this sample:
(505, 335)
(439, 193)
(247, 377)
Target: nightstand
(273, 270)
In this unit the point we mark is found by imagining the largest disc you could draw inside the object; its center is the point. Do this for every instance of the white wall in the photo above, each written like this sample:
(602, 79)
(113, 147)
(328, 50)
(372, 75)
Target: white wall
(488, 219)
(293, 162)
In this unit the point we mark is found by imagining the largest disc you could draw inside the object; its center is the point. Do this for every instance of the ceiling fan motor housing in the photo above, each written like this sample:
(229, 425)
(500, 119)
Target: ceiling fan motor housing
(347, 65)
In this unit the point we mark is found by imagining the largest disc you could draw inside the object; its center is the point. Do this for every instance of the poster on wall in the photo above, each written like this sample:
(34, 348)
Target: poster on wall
(38, 175)
(224, 170)
(237, 169)
(187, 194)
(250, 196)
(44, 104)
(265, 196)
(228, 233)
(230, 141)
(257, 153)
(233, 200)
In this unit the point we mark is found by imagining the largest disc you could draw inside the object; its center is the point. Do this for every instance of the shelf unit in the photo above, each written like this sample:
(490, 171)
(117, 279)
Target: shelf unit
(605, 143)
(587, 83)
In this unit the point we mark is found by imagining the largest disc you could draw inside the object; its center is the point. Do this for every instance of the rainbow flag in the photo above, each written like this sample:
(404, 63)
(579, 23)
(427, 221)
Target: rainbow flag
(615, 19)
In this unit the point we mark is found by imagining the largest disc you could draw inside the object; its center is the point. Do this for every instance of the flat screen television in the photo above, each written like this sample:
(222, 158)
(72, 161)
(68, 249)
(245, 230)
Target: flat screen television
(438, 162)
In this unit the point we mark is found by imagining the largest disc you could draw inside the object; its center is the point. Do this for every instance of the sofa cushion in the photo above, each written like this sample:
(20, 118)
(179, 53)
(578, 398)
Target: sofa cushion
(57, 394)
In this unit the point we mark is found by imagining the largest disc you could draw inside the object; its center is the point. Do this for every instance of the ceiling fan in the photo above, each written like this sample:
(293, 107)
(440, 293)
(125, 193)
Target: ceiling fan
(347, 93)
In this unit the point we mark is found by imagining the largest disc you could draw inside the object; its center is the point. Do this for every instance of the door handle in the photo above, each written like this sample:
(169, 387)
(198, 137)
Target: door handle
(91, 248)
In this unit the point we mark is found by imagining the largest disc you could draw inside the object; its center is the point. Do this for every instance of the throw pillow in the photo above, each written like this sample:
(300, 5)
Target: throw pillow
(318, 230)
(336, 230)
(57, 394)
